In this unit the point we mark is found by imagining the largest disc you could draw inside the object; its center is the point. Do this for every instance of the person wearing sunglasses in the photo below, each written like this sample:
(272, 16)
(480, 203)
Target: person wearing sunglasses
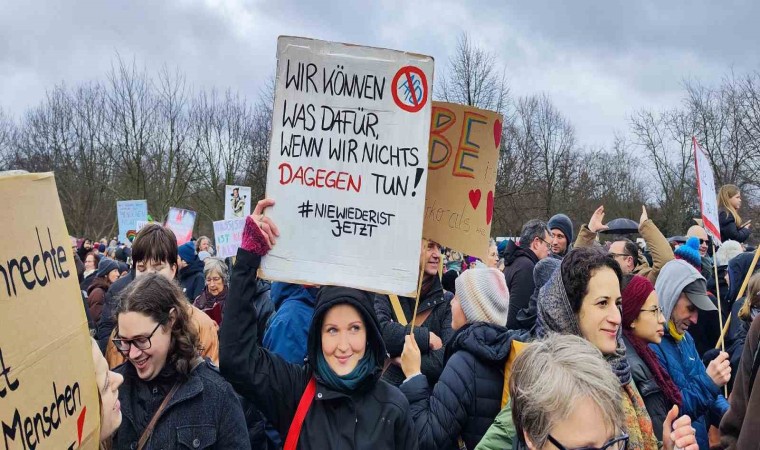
(171, 397)
(564, 398)
(644, 323)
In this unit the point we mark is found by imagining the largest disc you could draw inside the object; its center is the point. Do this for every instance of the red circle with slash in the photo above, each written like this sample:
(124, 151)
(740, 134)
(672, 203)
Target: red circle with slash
(404, 75)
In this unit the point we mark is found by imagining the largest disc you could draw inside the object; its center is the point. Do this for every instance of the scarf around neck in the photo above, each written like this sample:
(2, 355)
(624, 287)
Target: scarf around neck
(556, 315)
(345, 383)
(674, 331)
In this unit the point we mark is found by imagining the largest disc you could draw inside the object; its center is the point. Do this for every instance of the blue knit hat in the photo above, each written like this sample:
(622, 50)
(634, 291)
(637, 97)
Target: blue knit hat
(187, 252)
(689, 252)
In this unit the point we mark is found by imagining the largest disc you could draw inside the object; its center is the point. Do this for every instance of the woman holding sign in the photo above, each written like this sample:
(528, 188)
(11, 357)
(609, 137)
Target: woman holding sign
(335, 400)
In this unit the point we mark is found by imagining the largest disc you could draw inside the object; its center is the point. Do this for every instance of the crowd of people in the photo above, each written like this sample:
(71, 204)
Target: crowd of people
(557, 340)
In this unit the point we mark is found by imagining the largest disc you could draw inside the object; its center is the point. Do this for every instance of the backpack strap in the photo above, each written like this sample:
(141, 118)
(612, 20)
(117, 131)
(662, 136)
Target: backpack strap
(303, 407)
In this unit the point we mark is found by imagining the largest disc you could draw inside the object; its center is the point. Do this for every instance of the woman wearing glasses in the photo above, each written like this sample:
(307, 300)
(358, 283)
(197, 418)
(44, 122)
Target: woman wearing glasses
(211, 300)
(171, 397)
(644, 324)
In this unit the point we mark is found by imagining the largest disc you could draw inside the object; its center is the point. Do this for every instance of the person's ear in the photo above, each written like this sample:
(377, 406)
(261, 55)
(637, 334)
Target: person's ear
(528, 442)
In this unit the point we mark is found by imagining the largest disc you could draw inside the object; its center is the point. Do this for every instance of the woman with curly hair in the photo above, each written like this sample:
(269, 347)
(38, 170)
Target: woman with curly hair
(171, 397)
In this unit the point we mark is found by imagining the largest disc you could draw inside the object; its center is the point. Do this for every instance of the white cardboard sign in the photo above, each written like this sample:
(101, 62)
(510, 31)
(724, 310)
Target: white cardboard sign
(228, 235)
(348, 165)
(708, 201)
(237, 202)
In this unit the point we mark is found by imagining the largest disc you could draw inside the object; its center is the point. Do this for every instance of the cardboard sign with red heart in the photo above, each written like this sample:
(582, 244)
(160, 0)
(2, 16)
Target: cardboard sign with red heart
(463, 159)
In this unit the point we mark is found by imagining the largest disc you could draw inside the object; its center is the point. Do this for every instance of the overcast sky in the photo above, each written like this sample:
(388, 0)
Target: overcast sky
(598, 60)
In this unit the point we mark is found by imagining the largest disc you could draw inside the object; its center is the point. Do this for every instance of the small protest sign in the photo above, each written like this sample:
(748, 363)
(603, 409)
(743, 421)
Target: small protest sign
(237, 202)
(463, 160)
(347, 164)
(181, 222)
(48, 394)
(708, 200)
(129, 212)
(228, 235)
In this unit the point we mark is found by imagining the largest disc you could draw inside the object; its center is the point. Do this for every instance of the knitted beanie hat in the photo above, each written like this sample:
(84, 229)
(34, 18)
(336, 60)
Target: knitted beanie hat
(689, 252)
(634, 297)
(186, 251)
(483, 295)
(563, 223)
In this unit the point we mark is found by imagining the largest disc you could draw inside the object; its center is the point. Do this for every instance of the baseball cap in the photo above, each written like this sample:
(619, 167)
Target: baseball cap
(697, 293)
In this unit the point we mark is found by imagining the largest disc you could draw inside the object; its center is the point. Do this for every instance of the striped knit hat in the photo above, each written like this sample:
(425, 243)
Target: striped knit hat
(483, 295)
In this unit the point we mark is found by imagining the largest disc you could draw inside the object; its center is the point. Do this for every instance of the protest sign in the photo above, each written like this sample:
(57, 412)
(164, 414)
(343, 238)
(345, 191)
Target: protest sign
(347, 165)
(462, 163)
(228, 235)
(181, 222)
(708, 200)
(237, 202)
(48, 395)
(129, 212)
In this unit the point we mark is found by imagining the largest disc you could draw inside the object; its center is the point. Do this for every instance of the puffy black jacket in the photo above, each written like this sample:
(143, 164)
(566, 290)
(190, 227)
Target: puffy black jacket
(191, 280)
(374, 416)
(729, 229)
(654, 399)
(438, 322)
(519, 277)
(204, 413)
(467, 397)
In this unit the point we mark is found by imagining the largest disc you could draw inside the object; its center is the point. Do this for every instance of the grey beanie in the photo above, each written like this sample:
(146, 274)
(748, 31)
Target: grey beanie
(564, 224)
(483, 295)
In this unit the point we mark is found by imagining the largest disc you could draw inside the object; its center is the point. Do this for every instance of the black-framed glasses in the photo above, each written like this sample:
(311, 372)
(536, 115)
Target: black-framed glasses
(548, 244)
(618, 443)
(656, 310)
(141, 342)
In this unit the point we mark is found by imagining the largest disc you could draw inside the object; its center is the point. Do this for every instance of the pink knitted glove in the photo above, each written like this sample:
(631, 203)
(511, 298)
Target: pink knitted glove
(254, 239)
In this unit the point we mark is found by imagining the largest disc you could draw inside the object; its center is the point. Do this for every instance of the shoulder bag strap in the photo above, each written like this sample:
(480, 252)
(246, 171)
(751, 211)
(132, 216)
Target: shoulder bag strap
(303, 407)
(152, 424)
(400, 316)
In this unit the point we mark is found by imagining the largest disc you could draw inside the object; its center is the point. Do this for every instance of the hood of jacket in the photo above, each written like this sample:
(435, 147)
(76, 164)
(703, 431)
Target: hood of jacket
(674, 276)
(363, 301)
(738, 267)
(194, 267)
(287, 292)
(513, 251)
(487, 342)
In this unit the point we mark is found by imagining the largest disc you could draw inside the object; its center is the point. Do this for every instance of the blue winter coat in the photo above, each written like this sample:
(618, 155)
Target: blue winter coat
(702, 399)
(288, 328)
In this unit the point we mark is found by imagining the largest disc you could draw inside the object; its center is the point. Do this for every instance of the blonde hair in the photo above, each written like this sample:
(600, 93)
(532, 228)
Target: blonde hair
(752, 298)
(726, 192)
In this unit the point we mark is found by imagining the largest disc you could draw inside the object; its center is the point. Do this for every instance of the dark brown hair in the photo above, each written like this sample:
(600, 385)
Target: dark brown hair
(155, 243)
(156, 297)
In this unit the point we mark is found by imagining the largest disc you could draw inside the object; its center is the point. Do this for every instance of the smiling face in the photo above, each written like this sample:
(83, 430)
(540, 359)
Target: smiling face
(684, 314)
(108, 388)
(148, 362)
(650, 323)
(431, 257)
(599, 316)
(344, 338)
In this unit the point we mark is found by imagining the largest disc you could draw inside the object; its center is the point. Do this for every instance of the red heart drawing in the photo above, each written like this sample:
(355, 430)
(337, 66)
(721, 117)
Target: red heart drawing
(497, 133)
(489, 207)
(474, 198)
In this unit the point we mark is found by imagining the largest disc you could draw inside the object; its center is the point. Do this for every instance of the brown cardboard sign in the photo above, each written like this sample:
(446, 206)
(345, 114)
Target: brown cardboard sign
(462, 164)
(48, 395)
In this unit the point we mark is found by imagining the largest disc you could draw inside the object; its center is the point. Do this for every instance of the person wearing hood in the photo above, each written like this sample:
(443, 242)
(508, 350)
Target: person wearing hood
(542, 273)
(626, 252)
(190, 271)
(643, 323)
(682, 293)
(432, 325)
(535, 245)
(561, 229)
(346, 403)
(108, 272)
(582, 299)
(467, 397)
(288, 329)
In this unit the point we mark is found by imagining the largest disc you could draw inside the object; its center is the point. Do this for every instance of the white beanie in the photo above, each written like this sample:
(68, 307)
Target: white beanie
(483, 295)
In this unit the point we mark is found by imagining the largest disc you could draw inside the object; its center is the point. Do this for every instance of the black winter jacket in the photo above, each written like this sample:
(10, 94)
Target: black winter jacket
(654, 399)
(729, 229)
(467, 397)
(204, 413)
(438, 322)
(519, 277)
(191, 280)
(374, 416)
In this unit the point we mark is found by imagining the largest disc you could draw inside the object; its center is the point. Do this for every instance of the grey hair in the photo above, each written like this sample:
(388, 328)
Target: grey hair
(551, 375)
(531, 230)
(215, 265)
(492, 243)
